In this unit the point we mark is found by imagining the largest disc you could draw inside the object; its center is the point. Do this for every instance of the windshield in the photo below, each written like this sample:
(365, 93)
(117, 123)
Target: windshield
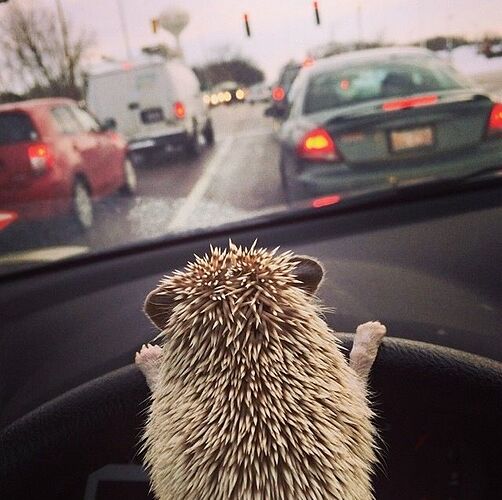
(155, 119)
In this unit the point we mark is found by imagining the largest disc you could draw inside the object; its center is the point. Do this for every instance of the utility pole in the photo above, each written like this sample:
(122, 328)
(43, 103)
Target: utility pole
(359, 24)
(64, 34)
(123, 25)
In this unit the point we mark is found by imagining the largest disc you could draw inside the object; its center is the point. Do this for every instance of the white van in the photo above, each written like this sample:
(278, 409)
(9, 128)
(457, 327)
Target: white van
(154, 103)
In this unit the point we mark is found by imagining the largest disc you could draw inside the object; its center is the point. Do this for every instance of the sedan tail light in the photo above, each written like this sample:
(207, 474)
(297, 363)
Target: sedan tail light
(317, 145)
(41, 158)
(179, 110)
(495, 120)
(410, 102)
(278, 94)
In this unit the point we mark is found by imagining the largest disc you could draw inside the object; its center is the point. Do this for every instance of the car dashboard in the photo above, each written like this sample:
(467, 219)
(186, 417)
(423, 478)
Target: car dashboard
(427, 268)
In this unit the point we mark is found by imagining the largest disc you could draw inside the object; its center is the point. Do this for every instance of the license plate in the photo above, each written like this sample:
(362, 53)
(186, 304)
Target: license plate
(402, 140)
(152, 115)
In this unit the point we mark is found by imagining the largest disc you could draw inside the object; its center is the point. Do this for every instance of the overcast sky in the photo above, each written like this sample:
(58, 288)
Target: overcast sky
(281, 29)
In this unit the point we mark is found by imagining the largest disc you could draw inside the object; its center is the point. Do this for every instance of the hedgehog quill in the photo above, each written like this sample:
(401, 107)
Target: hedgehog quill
(252, 398)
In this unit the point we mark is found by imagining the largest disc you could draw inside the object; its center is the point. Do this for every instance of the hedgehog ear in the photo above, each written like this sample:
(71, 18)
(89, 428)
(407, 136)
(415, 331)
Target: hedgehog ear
(309, 272)
(158, 307)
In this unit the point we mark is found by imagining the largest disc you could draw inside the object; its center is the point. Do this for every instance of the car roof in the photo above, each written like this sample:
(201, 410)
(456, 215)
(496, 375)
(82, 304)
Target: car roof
(34, 103)
(369, 55)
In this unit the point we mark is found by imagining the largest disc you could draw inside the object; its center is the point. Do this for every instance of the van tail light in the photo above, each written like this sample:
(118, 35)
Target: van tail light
(495, 120)
(179, 110)
(317, 145)
(41, 158)
(278, 94)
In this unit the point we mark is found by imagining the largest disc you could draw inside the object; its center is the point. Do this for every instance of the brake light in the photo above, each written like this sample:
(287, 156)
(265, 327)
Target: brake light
(317, 145)
(179, 110)
(7, 218)
(278, 94)
(411, 102)
(495, 121)
(325, 201)
(41, 158)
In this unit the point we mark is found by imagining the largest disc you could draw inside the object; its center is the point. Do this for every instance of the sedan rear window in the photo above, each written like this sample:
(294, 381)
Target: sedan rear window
(353, 84)
(16, 127)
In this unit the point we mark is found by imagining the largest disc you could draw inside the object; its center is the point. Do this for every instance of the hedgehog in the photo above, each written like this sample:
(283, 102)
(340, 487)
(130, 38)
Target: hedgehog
(252, 397)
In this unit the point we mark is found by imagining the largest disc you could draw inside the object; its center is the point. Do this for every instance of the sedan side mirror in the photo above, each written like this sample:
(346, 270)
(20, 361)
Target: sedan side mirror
(109, 124)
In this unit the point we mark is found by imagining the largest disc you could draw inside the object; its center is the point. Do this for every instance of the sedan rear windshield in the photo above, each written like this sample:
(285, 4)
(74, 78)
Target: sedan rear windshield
(16, 127)
(353, 84)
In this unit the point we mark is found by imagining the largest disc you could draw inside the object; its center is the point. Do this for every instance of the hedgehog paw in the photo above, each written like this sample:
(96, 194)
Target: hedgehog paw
(148, 361)
(367, 340)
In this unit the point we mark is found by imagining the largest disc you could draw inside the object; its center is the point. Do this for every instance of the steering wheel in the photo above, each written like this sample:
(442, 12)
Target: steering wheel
(439, 412)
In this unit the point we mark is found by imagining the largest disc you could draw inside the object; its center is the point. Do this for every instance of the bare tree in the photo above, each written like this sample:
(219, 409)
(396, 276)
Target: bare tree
(41, 53)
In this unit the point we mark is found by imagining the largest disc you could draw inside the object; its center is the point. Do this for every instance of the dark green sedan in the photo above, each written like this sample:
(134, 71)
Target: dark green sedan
(385, 117)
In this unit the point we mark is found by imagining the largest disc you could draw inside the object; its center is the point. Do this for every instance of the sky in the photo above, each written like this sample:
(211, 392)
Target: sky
(281, 29)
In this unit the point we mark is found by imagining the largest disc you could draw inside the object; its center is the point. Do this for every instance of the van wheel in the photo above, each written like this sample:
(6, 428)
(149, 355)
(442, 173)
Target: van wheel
(83, 212)
(192, 146)
(130, 185)
(209, 133)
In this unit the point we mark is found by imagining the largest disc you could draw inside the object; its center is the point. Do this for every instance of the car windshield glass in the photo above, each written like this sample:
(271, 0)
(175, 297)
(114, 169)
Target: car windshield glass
(127, 122)
(372, 81)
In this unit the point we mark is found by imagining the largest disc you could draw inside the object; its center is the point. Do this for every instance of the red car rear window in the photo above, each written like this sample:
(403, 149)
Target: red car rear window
(16, 127)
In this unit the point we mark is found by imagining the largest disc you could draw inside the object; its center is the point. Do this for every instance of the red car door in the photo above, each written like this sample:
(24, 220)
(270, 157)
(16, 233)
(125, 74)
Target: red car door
(87, 149)
(112, 149)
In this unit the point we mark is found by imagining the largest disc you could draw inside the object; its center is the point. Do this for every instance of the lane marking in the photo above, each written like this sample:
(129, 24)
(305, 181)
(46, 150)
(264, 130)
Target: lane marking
(193, 199)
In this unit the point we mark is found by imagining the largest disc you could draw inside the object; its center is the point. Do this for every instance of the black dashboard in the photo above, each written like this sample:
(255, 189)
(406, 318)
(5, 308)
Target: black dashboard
(427, 268)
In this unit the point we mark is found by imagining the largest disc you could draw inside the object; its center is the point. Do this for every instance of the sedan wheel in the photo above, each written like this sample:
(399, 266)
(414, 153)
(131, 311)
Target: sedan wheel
(130, 179)
(83, 212)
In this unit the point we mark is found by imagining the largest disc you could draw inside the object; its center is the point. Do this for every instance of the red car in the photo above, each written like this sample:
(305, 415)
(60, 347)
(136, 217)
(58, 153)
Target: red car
(55, 158)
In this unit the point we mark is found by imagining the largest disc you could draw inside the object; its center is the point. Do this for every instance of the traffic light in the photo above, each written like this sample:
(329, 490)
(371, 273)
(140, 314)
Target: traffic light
(316, 12)
(155, 25)
(246, 25)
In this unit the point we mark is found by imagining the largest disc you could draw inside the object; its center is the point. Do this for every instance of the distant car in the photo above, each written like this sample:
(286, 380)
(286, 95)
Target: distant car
(384, 115)
(259, 92)
(280, 90)
(156, 104)
(55, 158)
(227, 93)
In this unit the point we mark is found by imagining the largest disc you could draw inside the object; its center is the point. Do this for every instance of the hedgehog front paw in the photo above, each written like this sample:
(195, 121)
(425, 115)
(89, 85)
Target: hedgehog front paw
(370, 333)
(367, 340)
(148, 361)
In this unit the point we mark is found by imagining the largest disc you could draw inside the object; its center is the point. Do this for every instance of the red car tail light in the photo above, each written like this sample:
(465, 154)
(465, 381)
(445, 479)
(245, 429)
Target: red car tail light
(317, 145)
(179, 110)
(278, 94)
(495, 120)
(325, 201)
(410, 102)
(41, 158)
